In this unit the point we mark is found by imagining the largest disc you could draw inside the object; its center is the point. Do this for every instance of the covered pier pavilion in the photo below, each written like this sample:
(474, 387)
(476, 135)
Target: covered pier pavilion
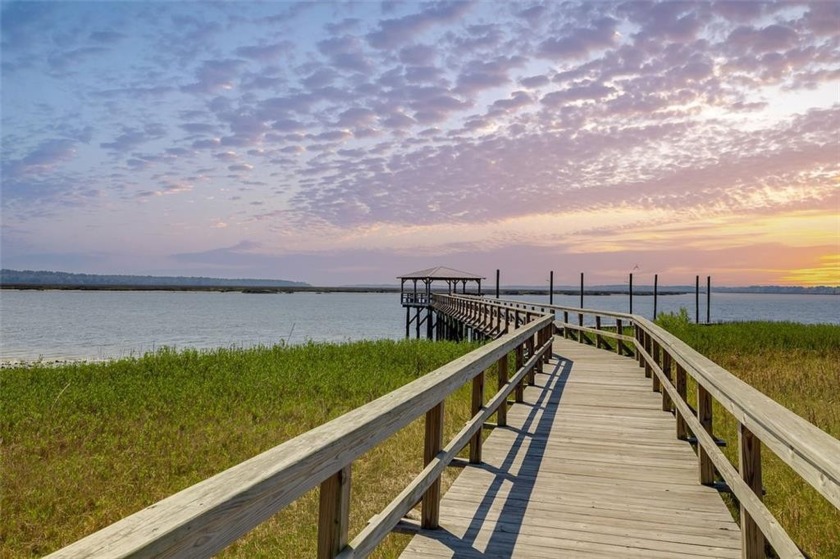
(419, 295)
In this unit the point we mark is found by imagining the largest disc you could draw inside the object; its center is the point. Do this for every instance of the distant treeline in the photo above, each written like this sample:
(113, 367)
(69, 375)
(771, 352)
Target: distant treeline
(680, 289)
(34, 278)
(674, 289)
(796, 290)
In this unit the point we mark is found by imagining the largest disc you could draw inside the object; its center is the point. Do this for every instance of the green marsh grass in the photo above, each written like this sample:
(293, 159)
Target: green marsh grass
(798, 366)
(84, 445)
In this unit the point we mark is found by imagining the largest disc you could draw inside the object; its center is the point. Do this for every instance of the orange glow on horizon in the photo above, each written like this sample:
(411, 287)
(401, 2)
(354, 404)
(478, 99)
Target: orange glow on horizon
(827, 273)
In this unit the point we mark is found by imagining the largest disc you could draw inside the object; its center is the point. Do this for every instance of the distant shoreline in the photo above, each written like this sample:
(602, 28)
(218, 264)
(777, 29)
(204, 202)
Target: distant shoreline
(314, 289)
(641, 291)
(51, 280)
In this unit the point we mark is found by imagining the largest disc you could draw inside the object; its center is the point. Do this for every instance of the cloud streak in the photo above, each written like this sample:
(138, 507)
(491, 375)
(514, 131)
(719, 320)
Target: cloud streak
(301, 126)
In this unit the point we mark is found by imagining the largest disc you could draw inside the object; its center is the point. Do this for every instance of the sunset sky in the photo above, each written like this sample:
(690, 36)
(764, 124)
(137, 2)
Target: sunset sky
(349, 142)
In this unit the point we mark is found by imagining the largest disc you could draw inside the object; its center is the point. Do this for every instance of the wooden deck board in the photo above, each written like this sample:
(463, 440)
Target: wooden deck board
(588, 466)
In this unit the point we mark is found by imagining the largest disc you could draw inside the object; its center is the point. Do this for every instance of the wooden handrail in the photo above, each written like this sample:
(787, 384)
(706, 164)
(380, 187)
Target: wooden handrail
(206, 517)
(811, 453)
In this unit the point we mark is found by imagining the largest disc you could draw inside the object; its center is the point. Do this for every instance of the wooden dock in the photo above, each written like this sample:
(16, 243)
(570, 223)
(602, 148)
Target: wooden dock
(589, 465)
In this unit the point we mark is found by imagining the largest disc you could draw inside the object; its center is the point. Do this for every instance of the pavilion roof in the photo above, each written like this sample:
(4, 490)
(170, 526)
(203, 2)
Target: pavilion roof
(441, 273)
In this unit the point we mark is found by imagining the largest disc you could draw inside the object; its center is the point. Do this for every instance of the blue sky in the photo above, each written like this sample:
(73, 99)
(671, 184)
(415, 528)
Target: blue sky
(349, 142)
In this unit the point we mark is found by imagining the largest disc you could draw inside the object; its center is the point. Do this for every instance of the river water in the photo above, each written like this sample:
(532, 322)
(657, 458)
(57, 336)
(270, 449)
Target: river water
(58, 325)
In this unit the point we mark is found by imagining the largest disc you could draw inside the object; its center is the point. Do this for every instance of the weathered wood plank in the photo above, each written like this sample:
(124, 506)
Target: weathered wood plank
(583, 467)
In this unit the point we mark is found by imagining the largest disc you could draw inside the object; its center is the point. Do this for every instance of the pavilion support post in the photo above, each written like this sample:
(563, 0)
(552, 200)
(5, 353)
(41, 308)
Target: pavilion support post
(429, 323)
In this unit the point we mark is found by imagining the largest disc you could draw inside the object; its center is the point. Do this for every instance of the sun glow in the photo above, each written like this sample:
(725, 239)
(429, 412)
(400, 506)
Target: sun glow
(826, 273)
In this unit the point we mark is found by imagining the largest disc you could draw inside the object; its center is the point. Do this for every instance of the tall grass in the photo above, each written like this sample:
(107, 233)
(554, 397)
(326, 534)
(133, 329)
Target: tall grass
(87, 444)
(798, 366)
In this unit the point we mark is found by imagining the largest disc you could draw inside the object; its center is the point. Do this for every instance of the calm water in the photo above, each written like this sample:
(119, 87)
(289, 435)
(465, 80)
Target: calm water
(100, 325)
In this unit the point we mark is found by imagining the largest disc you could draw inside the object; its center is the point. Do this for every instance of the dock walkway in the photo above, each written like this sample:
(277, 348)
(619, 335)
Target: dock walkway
(588, 466)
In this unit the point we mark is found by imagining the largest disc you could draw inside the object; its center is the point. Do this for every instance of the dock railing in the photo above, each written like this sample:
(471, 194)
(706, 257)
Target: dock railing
(205, 518)
(811, 453)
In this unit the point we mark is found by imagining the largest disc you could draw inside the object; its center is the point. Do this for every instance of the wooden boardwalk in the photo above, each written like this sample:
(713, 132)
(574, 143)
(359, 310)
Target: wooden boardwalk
(588, 466)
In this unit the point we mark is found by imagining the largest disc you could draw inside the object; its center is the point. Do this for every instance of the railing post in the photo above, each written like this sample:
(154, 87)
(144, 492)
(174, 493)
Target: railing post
(682, 428)
(519, 391)
(647, 345)
(619, 329)
(428, 323)
(565, 322)
(749, 464)
(547, 333)
(507, 320)
(334, 513)
(639, 335)
(655, 355)
(477, 405)
(581, 337)
(502, 372)
(430, 510)
(704, 415)
(599, 339)
(666, 368)
(531, 374)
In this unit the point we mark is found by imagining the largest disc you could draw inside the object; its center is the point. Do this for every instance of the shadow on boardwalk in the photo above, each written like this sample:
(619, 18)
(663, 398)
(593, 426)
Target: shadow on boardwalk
(537, 425)
(602, 475)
